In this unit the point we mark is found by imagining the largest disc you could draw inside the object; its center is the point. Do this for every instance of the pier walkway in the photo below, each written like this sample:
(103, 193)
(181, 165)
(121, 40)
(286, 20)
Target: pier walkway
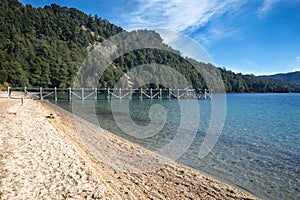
(108, 93)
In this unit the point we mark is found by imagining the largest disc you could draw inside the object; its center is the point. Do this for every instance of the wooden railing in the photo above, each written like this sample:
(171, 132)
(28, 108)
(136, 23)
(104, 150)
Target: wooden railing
(117, 93)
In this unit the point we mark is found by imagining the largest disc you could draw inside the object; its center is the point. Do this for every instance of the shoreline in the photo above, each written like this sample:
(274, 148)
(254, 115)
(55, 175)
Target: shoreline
(215, 177)
(170, 181)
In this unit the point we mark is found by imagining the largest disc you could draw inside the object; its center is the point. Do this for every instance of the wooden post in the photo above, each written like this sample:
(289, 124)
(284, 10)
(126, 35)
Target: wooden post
(150, 93)
(141, 97)
(41, 93)
(130, 95)
(25, 92)
(95, 97)
(82, 93)
(70, 94)
(9, 92)
(169, 93)
(55, 94)
(160, 93)
(108, 93)
(205, 94)
(178, 94)
(120, 93)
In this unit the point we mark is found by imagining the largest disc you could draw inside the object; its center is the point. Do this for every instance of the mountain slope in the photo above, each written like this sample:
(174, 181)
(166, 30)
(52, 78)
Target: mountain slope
(292, 77)
(46, 46)
(250, 83)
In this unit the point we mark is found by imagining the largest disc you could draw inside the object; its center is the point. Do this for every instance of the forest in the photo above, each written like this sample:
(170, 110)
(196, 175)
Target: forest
(45, 47)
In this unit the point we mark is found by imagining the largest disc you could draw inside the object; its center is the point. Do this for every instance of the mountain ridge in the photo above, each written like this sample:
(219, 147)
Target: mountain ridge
(289, 77)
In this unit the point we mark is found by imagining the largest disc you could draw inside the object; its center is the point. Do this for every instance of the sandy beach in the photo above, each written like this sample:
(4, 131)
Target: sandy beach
(65, 157)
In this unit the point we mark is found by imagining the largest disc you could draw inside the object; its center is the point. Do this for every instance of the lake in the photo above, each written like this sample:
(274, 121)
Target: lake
(258, 149)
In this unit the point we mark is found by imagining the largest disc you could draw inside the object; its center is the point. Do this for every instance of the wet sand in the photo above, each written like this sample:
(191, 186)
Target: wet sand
(65, 157)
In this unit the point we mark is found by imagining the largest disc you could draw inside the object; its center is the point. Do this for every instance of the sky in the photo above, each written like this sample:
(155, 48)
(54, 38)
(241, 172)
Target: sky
(249, 36)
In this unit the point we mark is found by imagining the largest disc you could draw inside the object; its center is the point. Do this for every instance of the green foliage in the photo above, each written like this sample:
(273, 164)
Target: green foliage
(292, 77)
(153, 57)
(45, 47)
(4, 86)
(249, 83)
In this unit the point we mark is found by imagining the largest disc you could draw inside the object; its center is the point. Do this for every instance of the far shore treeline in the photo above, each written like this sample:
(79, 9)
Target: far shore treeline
(45, 47)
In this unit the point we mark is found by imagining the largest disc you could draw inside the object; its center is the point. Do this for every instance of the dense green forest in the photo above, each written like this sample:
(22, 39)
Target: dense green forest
(292, 77)
(250, 83)
(45, 47)
(154, 57)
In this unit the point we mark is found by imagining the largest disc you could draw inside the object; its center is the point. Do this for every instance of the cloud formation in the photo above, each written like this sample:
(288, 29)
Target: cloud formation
(186, 16)
(208, 21)
(177, 15)
(296, 64)
(266, 7)
(269, 5)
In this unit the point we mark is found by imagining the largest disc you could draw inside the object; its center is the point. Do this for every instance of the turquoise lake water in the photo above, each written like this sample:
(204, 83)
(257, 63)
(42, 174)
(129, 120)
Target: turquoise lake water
(258, 149)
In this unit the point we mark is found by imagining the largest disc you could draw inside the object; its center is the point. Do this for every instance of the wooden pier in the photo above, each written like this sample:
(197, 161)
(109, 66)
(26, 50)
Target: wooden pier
(108, 93)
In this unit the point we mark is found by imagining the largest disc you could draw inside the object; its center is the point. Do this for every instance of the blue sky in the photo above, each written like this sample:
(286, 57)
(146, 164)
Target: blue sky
(248, 36)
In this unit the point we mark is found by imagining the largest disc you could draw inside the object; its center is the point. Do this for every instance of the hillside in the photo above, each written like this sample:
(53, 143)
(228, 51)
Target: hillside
(249, 83)
(45, 47)
(292, 77)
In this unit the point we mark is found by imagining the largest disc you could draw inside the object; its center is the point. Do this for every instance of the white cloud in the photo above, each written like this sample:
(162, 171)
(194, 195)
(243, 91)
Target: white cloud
(168, 36)
(177, 15)
(216, 33)
(295, 64)
(296, 69)
(184, 16)
(269, 5)
(266, 7)
(187, 46)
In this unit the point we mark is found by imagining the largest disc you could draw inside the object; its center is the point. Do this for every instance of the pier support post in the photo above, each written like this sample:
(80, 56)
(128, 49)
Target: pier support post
(95, 91)
(209, 94)
(141, 96)
(151, 93)
(178, 94)
(160, 93)
(82, 94)
(55, 94)
(25, 92)
(108, 94)
(120, 93)
(41, 93)
(130, 95)
(9, 92)
(169, 94)
(205, 94)
(70, 94)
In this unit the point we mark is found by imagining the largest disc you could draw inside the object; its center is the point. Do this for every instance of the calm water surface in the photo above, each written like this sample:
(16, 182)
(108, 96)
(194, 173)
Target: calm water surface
(258, 150)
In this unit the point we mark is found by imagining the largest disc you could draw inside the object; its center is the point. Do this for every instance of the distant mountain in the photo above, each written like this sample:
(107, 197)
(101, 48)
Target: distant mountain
(239, 83)
(292, 77)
